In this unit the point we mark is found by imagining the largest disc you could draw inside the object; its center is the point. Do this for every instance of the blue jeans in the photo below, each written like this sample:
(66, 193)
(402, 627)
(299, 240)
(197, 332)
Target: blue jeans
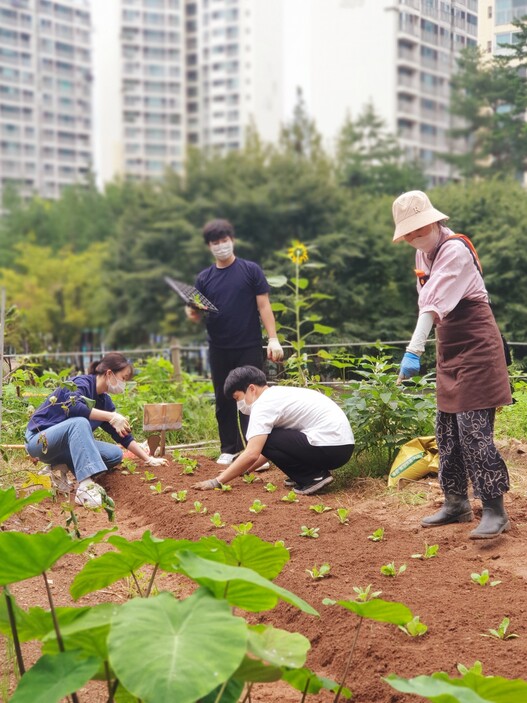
(72, 442)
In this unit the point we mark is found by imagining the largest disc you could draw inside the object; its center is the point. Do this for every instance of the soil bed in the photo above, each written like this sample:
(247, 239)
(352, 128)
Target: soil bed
(439, 590)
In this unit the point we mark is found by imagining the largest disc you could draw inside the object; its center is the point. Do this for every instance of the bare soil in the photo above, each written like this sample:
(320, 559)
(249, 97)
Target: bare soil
(439, 590)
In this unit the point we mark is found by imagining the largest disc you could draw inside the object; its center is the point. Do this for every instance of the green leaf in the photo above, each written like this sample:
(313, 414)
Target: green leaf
(231, 694)
(276, 281)
(323, 329)
(36, 623)
(10, 504)
(376, 609)
(240, 586)
(90, 402)
(278, 647)
(181, 644)
(470, 689)
(253, 670)
(87, 633)
(279, 307)
(37, 553)
(306, 680)
(302, 283)
(54, 677)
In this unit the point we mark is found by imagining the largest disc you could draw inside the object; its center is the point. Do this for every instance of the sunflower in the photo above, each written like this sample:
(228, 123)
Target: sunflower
(297, 252)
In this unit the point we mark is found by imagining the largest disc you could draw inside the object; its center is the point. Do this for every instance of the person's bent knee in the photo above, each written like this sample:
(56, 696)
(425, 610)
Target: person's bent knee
(114, 458)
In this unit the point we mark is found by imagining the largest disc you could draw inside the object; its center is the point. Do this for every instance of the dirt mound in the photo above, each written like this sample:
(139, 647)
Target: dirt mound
(439, 590)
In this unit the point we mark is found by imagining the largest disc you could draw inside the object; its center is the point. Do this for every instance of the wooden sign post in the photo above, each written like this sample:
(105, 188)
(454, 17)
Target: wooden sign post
(160, 417)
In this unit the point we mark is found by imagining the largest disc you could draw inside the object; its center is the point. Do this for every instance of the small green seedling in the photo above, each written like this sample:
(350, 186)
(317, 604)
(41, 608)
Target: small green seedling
(270, 487)
(149, 477)
(309, 532)
(281, 543)
(320, 508)
(290, 498)
(257, 506)
(130, 466)
(72, 523)
(189, 465)
(188, 470)
(342, 515)
(365, 594)
(390, 570)
(414, 628)
(378, 535)
(501, 632)
(225, 487)
(156, 488)
(179, 496)
(429, 553)
(249, 478)
(199, 508)
(217, 521)
(483, 579)
(243, 528)
(476, 668)
(319, 573)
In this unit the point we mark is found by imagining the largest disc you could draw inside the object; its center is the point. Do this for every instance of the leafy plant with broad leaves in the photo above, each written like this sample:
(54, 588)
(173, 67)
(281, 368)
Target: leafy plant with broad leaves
(320, 508)
(414, 628)
(502, 632)
(180, 496)
(257, 506)
(216, 520)
(309, 532)
(342, 515)
(250, 478)
(291, 497)
(270, 487)
(199, 508)
(391, 570)
(483, 579)
(319, 572)
(377, 535)
(243, 528)
(429, 553)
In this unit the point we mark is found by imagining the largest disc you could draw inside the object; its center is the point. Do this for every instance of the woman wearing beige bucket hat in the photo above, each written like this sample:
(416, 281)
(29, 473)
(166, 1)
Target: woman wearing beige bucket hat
(472, 378)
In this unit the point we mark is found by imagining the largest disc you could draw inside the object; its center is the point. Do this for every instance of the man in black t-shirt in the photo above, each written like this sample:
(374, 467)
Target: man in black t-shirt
(239, 289)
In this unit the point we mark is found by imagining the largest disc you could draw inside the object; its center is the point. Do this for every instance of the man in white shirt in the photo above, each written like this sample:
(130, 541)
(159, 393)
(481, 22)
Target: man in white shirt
(302, 431)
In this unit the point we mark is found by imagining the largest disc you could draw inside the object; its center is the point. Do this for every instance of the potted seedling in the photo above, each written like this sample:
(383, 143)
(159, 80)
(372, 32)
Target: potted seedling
(319, 573)
(257, 506)
(320, 508)
(390, 570)
(483, 579)
(309, 532)
(377, 535)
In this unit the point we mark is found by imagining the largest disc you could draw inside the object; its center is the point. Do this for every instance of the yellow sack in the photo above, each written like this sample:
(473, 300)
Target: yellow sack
(415, 459)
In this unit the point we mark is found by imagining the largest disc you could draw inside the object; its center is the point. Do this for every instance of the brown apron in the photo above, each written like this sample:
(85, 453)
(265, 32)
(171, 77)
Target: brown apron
(471, 368)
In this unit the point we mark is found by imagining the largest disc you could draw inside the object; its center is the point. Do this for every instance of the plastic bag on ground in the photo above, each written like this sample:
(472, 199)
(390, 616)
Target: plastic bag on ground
(415, 459)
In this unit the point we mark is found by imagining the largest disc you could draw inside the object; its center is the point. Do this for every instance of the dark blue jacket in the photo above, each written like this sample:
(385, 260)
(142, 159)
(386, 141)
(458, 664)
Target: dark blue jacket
(72, 403)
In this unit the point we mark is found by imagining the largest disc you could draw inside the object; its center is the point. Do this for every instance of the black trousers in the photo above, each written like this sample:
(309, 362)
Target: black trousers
(467, 451)
(301, 461)
(221, 362)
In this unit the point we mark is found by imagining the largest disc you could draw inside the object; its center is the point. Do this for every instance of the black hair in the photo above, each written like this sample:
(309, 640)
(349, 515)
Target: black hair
(241, 378)
(217, 229)
(110, 362)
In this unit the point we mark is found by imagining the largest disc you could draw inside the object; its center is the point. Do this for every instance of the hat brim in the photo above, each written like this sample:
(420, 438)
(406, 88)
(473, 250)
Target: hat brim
(416, 221)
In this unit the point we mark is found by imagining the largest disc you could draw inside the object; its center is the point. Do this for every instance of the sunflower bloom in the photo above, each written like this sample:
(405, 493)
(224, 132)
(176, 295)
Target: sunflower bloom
(298, 252)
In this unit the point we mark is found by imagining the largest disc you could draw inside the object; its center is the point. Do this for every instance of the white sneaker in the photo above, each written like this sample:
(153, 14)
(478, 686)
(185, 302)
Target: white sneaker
(89, 494)
(225, 459)
(58, 473)
(263, 467)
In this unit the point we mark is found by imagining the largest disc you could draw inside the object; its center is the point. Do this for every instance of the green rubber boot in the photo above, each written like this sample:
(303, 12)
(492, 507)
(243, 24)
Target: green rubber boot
(454, 509)
(494, 520)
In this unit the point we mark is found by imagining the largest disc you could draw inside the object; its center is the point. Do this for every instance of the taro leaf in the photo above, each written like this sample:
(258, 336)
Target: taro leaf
(278, 647)
(276, 281)
(240, 586)
(302, 678)
(152, 549)
(35, 623)
(253, 670)
(376, 609)
(231, 694)
(124, 696)
(54, 677)
(87, 633)
(10, 504)
(162, 649)
(37, 553)
(249, 551)
(472, 688)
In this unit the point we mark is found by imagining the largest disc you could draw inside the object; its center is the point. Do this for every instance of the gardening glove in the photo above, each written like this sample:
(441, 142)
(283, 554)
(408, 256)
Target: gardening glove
(410, 366)
(156, 461)
(274, 349)
(120, 424)
(208, 485)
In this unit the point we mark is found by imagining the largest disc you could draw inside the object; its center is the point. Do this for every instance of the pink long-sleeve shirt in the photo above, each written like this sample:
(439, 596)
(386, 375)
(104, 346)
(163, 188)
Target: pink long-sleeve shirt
(453, 277)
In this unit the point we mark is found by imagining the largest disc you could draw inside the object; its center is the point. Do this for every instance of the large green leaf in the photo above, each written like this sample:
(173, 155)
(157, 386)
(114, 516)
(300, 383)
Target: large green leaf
(376, 609)
(35, 623)
(306, 680)
(278, 647)
(88, 633)
(472, 688)
(253, 670)
(323, 329)
(240, 586)
(10, 504)
(37, 553)
(54, 677)
(231, 693)
(152, 549)
(276, 281)
(167, 650)
(250, 551)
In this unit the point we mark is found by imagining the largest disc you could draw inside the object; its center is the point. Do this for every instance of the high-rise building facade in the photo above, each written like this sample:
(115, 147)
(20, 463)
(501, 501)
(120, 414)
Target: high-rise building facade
(139, 87)
(45, 94)
(495, 25)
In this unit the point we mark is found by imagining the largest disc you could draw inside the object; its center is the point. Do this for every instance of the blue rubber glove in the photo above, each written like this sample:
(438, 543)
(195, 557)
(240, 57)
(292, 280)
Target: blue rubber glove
(410, 365)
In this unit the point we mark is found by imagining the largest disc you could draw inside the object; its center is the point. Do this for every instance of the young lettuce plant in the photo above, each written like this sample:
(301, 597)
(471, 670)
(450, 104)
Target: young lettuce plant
(390, 570)
(157, 488)
(319, 573)
(342, 515)
(291, 497)
(501, 633)
(483, 579)
(179, 496)
(270, 487)
(309, 532)
(320, 508)
(148, 476)
(199, 508)
(250, 478)
(429, 553)
(243, 528)
(414, 628)
(257, 506)
(377, 535)
(216, 520)
(365, 594)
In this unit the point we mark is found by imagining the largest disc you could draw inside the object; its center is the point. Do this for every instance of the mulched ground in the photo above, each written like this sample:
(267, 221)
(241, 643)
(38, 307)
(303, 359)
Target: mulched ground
(439, 590)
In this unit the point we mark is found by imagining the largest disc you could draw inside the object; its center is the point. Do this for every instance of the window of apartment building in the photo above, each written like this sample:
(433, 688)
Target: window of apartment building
(192, 91)
(132, 148)
(191, 9)
(154, 3)
(150, 52)
(191, 26)
(175, 134)
(192, 75)
(507, 10)
(232, 99)
(489, 11)
(231, 14)
(132, 133)
(154, 35)
(155, 134)
(130, 117)
(155, 150)
(173, 4)
(153, 69)
(132, 15)
(155, 166)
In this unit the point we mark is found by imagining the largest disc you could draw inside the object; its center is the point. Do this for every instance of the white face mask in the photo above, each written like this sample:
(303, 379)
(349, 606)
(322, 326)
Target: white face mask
(243, 407)
(222, 251)
(117, 386)
(427, 242)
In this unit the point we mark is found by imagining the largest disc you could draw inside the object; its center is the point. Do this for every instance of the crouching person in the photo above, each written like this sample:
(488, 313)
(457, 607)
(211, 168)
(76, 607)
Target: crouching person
(304, 433)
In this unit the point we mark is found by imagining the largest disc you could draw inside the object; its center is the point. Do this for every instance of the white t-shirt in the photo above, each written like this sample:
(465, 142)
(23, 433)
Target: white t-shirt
(310, 412)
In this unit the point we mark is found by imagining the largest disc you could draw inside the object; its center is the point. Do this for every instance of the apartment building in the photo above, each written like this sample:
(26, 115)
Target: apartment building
(495, 25)
(139, 68)
(45, 94)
